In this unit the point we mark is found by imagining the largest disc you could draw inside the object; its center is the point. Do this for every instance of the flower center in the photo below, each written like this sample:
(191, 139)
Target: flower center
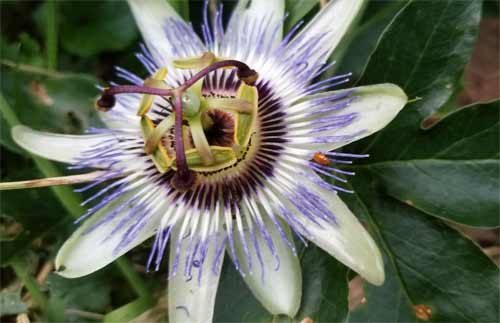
(205, 132)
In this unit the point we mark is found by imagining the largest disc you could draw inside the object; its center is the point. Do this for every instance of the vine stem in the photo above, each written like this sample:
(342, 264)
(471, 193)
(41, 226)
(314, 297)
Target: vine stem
(51, 34)
(71, 202)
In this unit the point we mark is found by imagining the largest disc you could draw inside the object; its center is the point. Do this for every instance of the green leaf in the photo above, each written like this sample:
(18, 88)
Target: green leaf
(11, 303)
(425, 49)
(297, 10)
(435, 265)
(462, 191)
(451, 171)
(363, 38)
(324, 298)
(26, 214)
(325, 288)
(61, 102)
(87, 30)
(89, 293)
(234, 301)
(387, 303)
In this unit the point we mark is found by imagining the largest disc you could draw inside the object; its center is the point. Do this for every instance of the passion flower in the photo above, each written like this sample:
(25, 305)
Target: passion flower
(225, 148)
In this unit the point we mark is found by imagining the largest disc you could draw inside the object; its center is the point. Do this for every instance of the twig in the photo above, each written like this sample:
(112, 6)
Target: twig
(52, 181)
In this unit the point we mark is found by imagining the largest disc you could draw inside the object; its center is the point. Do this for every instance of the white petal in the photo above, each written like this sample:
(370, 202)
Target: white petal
(278, 283)
(189, 299)
(151, 17)
(85, 252)
(332, 21)
(259, 10)
(348, 240)
(58, 147)
(375, 106)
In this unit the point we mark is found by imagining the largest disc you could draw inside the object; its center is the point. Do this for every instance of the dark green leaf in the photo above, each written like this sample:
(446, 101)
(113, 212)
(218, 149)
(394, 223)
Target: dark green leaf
(425, 49)
(450, 171)
(11, 303)
(462, 191)
(89, 293)
(26, 214)
(437, 266)
(386, 303)
(363, 40)
(88, 30)
(325, 289)
(235, 302)
(324, 297)
(61, 103)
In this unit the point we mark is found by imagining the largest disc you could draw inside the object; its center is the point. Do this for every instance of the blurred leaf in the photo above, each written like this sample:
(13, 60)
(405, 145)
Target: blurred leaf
(89, 293)
(425, 50)
(297, 10)
(61, 103)
(90, 29)
(35, 212)
(450, 171)
(128, 312)
(325, 289)
(11, 303)
(435, 265)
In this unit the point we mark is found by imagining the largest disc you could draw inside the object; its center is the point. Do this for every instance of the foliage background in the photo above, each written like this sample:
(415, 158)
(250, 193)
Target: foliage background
(429, 193)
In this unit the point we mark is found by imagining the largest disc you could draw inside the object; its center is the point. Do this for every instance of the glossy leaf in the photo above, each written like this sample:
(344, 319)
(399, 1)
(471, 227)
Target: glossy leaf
(450, 171)
(325, 290)
(424, 50)
(387, 303)
(436, 265)
(462, 191)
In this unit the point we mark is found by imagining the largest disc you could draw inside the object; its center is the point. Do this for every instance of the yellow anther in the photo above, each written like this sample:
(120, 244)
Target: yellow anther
(157, 81)
(236, 105)
(200, 141)
(223, 157)
(246, 121)
(157, 133)
(203, 61)
(159, 156)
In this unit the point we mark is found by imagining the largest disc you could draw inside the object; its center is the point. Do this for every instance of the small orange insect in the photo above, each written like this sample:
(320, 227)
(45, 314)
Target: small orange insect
(321, 159)
(423, 312)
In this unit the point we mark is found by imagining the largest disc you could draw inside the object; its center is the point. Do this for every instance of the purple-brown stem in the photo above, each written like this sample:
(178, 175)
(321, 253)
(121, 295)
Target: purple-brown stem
(184, 178)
